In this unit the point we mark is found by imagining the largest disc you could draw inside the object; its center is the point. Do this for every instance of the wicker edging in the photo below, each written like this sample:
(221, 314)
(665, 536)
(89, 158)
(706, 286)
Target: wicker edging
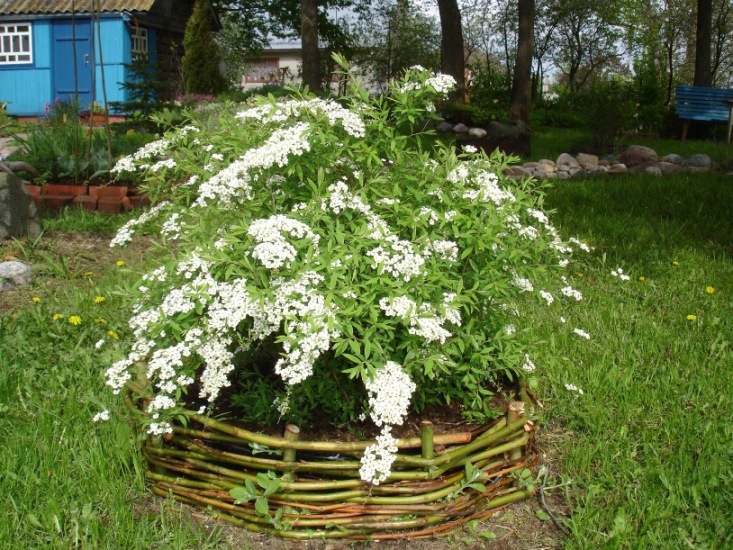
(318, 492)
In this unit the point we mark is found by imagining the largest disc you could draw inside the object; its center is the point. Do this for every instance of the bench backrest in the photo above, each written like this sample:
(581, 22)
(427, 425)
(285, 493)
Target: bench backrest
(699, 103)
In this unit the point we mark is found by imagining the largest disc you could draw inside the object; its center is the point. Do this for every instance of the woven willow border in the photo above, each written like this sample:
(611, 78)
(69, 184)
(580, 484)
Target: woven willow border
(319, 492)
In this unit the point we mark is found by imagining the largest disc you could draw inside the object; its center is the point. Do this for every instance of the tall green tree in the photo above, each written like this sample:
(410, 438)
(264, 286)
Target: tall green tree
(201, 59)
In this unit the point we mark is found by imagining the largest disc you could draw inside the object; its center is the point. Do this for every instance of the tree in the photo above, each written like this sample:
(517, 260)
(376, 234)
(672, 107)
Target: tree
(309, 37)
(201, 60)
(451, 46)
(521, 101)
(703, 35)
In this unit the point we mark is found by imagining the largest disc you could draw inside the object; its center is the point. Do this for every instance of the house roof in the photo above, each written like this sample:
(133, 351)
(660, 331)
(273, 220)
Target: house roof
(21, 7)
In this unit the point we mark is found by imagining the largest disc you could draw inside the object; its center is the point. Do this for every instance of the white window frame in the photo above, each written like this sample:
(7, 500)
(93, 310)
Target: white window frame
(263, 71)
(16, 43)
(140, 42)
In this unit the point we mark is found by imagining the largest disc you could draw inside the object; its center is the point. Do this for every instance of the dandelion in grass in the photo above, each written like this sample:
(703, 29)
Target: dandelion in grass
(580, 332)
(99, 299)
(675, 263)
(112, 334)
(37, 300)
(102, 416)
(120, 263)
(57, 316)
(692, 317)
(708, 289)
(100, 321)
(574, 388)
(88, 273)
(642, 278)
(75, 320)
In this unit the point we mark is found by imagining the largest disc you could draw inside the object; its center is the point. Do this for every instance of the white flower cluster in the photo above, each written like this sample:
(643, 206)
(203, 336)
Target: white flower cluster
(125, 233)
(233, 183)
(528, 366)
(580, 332)
(570, 292)
(573, 388)
(389, 392)
(398, 258)
(522, 283)
(618, 272)
(423, 321)
(442, 83)
(376, 463)
(273, 248)
(335, 113)
(547, 297)
(481, 184)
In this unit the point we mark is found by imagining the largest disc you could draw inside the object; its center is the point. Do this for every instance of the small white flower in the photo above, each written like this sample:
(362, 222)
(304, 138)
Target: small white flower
(580, 332)
(102, 416)
(573, 388)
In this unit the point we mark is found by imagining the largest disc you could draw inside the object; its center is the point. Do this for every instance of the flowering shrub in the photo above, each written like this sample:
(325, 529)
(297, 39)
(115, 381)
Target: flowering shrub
(338, 238)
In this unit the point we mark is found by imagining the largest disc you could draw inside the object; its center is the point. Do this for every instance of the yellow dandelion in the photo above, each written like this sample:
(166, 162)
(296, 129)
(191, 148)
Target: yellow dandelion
(710, 289)
(88, 273)
(112, 334)
(578, 274)
(692, 317)
(100, 321)
(120, 263)
(37, 300)
(75, 320)
(57, 316)
(642, 278)
(99, 299)
(675, 263)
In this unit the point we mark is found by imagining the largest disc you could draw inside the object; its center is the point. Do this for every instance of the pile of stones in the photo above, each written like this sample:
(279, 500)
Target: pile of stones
(636, 158)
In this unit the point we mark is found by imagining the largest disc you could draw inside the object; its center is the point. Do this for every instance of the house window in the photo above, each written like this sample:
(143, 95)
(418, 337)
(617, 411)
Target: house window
(139, 42)
(266, 70)
(16, 44)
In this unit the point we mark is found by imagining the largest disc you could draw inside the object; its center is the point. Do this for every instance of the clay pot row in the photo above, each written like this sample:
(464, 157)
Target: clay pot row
(109, 199)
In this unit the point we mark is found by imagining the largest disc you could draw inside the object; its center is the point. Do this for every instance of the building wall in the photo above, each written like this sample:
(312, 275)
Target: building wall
(27, 88)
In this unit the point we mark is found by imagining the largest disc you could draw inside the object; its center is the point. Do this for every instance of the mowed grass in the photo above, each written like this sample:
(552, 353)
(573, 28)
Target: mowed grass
(648, 446)
(644, 456)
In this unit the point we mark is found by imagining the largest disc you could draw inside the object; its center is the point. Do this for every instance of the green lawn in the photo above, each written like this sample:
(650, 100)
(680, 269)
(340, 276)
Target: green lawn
(644, 456)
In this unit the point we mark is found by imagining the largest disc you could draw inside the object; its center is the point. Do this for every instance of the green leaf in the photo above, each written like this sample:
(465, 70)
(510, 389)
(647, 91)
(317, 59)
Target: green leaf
(261, 507)
(542, 516)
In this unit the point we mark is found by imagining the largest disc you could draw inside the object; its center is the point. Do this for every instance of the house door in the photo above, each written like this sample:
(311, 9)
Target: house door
(72, 61)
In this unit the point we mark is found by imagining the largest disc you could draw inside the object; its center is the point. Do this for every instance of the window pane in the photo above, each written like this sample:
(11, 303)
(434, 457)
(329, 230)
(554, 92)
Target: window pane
(26, 43)
(16, 43)
(6, 44)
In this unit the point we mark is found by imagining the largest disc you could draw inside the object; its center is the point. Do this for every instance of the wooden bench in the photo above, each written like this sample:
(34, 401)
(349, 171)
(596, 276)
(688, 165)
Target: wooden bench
(695, 103)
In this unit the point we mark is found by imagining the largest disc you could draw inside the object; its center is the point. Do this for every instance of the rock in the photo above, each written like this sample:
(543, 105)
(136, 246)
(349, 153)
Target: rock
(13, 274)
(638, 154)
(653, 169)
(18, 216)
(598, 171)
(547, 162)
(566, 160)
(477, 133)
(587, 161)
(669, 167)
(619, 168)
(501, 130)
(444, 127)
(672, 159)
(698, 161)
(517, 171)
(460, 128)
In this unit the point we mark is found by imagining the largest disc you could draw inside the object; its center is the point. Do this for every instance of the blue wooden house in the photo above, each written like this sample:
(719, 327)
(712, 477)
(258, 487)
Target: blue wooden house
(80, 48)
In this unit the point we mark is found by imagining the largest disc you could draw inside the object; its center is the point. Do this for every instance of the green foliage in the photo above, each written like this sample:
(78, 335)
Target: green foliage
(201, 71)
(64, 148)
(489, 93)
(143, 87)
(410, 254)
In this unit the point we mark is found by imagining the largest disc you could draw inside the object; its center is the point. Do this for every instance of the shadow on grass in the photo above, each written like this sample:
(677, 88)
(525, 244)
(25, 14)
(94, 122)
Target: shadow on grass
(629, 212)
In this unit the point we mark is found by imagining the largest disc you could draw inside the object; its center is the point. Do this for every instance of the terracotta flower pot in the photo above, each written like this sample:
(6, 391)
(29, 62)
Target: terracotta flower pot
(108, 191)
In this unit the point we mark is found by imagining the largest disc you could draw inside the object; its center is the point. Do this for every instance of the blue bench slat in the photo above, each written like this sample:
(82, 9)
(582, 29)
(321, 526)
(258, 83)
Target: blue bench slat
(703, 104)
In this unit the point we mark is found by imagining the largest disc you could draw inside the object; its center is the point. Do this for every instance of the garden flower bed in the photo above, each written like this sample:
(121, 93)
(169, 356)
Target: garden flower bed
(331, 257)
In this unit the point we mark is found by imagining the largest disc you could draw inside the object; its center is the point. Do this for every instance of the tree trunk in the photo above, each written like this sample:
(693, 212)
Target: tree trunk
(451, 46)
(703, 72)
(522, 84)
(309, 37)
